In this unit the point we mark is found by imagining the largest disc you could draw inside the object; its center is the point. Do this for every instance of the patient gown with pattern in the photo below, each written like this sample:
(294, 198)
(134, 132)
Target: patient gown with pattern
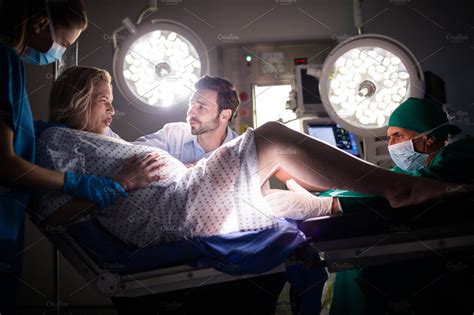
(220, 195)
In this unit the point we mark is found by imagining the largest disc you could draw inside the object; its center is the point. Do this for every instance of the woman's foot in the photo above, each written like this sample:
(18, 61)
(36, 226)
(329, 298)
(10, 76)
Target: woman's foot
(425, 190)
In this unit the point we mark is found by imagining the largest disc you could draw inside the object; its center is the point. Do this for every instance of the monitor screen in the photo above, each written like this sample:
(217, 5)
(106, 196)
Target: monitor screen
(334, 135)
(310, 86)
(308, 99)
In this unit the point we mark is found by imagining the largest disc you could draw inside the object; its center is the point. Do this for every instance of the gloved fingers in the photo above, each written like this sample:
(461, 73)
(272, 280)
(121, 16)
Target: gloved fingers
(100, 190)
(101, 198)
(280, 200)
(294, 186)
(270, 197)
(106, 191)
(284, 208)
(293, 204)
(273, 201)
(118, 188)
(271, 191)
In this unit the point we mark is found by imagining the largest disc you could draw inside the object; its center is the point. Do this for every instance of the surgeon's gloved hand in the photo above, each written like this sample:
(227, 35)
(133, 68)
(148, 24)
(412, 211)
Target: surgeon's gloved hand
(299, 204)
(101, 190)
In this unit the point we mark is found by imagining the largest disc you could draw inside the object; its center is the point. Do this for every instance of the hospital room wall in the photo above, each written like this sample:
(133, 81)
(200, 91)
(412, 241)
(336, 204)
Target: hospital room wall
(439, 33)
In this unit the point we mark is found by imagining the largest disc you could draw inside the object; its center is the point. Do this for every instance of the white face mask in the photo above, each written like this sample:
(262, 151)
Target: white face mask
(405, 156)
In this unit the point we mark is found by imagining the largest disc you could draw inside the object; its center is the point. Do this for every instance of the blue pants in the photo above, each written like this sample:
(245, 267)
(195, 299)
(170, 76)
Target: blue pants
(306, 288)
(10, 269)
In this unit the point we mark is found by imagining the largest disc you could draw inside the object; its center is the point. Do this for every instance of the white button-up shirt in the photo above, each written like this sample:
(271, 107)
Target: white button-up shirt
(177, 140)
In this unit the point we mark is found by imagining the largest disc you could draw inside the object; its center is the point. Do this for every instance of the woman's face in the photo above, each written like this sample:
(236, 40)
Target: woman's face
(100, 116)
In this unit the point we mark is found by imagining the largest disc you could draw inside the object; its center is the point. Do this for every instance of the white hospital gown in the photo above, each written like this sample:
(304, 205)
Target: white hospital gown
(220, 195)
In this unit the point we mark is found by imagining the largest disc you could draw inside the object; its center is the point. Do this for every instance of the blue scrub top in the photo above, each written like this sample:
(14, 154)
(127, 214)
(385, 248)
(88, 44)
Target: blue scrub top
(13, 97)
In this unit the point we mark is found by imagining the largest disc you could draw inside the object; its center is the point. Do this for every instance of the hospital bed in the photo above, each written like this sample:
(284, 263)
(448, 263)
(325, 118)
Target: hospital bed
(381, 235)
(115, 269)
(365, 236)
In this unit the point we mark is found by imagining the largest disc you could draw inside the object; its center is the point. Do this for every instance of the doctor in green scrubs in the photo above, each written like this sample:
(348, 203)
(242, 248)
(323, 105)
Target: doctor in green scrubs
(421, 142)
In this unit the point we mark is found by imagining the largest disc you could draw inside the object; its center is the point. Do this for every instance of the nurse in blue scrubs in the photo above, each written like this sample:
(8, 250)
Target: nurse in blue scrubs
(36, 32)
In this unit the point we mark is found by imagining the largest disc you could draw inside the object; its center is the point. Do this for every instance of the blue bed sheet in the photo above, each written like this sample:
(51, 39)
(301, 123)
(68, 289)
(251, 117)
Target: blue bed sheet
(237, 253)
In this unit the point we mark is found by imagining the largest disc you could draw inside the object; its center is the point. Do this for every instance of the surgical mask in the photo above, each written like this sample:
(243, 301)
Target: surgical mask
(405, 156)
(35, 57)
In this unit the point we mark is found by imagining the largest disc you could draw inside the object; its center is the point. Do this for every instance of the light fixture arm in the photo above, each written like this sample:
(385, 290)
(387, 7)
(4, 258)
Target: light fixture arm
(152, 8)
(358, 16)
(129, 25)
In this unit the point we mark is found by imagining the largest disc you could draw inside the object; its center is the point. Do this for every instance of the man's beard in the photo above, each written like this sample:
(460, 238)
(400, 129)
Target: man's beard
(205, 127)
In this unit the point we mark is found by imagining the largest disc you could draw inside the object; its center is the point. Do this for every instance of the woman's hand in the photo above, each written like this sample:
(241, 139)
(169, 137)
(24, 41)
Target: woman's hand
(140, 172)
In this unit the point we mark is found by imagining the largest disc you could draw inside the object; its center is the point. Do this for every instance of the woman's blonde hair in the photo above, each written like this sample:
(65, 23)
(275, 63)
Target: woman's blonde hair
(70, 99)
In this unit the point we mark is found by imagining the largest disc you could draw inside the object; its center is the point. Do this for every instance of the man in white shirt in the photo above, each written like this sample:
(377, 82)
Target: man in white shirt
(211, 108)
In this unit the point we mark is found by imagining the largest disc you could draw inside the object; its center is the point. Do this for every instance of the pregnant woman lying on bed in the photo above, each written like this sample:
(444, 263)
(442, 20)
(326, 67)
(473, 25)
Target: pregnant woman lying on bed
(219, 195)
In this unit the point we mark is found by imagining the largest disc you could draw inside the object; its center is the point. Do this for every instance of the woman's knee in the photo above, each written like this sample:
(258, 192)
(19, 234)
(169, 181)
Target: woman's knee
(271, 127)
(277, 134)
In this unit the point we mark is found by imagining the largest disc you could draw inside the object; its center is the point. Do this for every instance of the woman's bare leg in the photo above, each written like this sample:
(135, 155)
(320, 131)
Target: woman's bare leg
(318, 166)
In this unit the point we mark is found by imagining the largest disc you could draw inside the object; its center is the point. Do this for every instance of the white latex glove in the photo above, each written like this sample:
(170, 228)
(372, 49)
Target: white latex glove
(298, 203)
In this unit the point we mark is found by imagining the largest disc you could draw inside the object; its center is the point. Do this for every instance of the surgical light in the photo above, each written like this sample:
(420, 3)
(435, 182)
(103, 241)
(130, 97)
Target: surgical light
(157, 65)
(365, 78)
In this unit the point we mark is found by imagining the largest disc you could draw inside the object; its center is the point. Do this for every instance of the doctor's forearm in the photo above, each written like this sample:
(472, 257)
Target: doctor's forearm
(16, 171)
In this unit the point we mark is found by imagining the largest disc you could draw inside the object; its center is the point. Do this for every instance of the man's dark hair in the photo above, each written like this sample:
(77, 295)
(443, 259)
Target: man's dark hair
(227, 97)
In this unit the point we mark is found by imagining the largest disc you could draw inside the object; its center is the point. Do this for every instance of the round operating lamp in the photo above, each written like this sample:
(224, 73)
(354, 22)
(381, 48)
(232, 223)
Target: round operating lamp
(365, 78)
(157, 65)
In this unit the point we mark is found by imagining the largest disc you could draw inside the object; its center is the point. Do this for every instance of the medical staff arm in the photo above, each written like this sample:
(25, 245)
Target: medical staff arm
(136, 173)
(299, 204)
(16, 171)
